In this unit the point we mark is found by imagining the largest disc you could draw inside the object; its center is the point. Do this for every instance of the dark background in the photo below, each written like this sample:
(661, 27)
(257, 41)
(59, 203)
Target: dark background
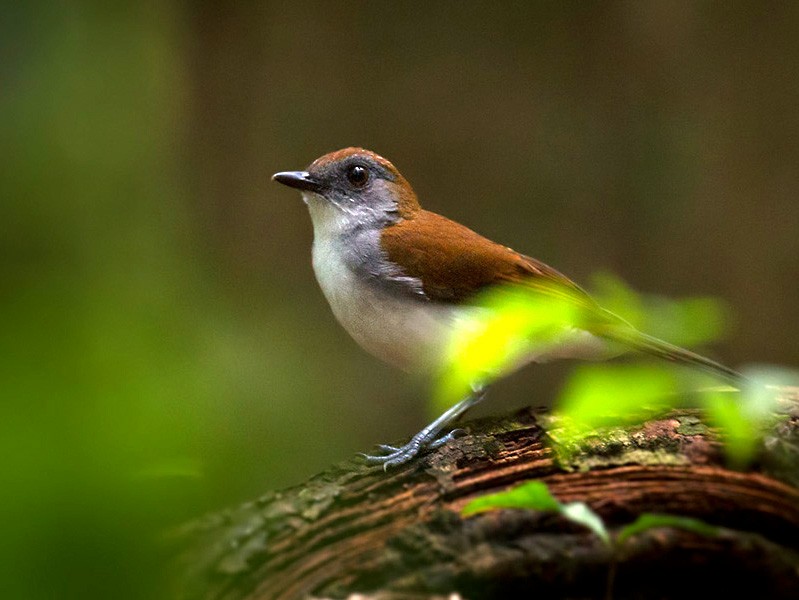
(166, 349)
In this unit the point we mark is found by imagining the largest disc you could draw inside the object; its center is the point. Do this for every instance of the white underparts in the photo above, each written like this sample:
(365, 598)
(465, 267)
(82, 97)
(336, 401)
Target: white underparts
(399, 328)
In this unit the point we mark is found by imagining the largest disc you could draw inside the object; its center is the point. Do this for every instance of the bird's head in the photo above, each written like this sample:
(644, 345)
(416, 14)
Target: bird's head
(351, 187)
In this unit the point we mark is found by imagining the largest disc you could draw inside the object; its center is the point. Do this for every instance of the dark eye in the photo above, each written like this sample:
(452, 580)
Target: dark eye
(357, 175)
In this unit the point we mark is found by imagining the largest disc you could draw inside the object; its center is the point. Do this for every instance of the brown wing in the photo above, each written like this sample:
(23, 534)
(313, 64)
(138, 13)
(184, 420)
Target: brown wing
(454, 263)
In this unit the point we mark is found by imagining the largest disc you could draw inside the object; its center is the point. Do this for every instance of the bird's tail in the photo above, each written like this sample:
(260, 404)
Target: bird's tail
(632, 338)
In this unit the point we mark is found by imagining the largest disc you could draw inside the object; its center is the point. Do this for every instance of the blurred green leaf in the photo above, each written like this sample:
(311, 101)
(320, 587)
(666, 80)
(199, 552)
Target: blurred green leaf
(532, 495)
(685, 322)
(605, 395)
(740, 433)
(535, 495)
(648, 521)
(513, 322)
(508, 324)
(613, 294)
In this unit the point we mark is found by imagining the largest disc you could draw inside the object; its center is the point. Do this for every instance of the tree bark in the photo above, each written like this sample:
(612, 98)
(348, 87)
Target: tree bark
(355, 529)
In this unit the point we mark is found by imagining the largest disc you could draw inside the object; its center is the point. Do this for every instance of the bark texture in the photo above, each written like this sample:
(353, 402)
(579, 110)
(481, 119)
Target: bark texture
(354, 529)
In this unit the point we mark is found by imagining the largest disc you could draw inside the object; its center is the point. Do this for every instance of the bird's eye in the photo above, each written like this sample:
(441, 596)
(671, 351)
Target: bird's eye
(357, 175)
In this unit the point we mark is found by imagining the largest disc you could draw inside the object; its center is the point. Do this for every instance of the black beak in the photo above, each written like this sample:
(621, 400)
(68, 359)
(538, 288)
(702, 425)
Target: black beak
(300, 180)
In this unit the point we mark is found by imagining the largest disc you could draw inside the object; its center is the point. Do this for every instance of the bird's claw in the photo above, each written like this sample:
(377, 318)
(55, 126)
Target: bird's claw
(387, 448)
(399, 456)
(455, 433)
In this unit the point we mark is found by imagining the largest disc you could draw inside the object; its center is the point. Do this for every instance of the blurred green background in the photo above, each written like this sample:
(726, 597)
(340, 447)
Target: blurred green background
(166, 350)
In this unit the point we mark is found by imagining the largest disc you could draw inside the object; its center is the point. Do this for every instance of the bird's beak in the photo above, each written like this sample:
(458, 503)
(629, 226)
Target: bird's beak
(300, 180)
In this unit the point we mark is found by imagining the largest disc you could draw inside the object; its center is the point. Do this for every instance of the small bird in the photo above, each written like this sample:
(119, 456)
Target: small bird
(400, 278)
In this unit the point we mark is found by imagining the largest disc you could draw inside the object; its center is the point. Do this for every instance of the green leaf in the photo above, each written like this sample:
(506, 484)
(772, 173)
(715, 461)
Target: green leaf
(605, 395)
(648, 521)
(685, 322)
(508, 324)
(740, 431)
(613, 294)
(535, 495)
(532, 495)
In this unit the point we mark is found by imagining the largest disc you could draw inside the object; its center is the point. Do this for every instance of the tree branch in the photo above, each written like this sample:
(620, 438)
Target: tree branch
(355, 529)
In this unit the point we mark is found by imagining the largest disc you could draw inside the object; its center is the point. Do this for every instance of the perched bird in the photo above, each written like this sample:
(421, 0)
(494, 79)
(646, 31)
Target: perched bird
(400, 278)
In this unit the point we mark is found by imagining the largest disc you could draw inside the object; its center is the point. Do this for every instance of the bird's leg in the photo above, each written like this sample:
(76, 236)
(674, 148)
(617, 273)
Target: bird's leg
(429, 437)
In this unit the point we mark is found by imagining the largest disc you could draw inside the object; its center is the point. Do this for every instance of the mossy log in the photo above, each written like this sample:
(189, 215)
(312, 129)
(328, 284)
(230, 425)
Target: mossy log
(357, 531)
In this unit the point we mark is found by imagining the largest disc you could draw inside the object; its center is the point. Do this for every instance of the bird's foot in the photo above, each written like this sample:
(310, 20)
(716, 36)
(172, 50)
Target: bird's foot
(427, 438)
(395, 456)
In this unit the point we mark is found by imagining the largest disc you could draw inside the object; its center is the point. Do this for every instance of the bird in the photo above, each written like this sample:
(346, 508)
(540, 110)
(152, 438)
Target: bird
(400, 279)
